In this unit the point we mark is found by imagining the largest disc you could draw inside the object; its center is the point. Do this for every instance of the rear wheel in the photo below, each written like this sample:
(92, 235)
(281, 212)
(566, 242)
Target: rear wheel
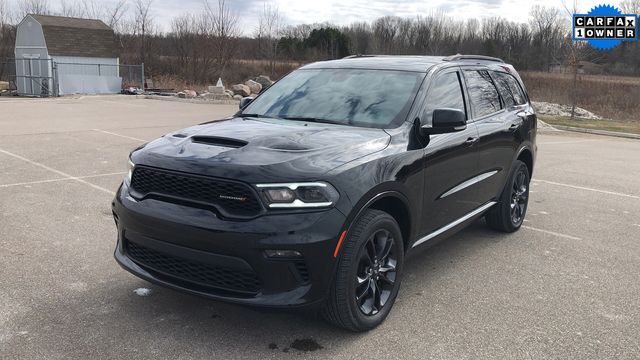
(508, 214)
(368, 276)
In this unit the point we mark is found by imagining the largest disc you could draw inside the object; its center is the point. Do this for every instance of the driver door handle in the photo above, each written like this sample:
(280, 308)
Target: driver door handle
(472, 140)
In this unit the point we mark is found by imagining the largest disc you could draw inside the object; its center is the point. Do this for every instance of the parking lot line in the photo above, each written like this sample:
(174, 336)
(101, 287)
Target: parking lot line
(119, 135)
(61, 179)
(551, 232)
(61, 173)
(587, 189)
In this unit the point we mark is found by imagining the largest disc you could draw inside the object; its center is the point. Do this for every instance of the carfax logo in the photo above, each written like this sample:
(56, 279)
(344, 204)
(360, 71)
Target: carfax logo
(604, 27)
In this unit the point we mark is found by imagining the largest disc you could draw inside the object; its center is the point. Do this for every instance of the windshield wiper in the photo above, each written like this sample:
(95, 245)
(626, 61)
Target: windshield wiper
(313, 119)
(254, 115)
(260, 116)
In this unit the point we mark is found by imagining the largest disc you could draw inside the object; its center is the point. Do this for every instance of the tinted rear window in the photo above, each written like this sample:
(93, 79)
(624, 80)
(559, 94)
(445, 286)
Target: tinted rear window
(510, 82)
(482, 93)
(505, 91)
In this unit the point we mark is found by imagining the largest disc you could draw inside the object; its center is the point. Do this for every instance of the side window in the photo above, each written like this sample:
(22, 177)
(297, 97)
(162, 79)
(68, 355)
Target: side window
(482, 92)
(516, 89)
(446, 92)
(504, 89)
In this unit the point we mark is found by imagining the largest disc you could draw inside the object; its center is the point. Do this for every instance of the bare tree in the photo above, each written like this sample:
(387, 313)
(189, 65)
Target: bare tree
(70, 8)
(268, 32)
(548, 27)
(34, 7)
(144, 27)
(225, 31)
(630, 6)
(576, 53)
(6, 16)
(7, 32)
(112, 15)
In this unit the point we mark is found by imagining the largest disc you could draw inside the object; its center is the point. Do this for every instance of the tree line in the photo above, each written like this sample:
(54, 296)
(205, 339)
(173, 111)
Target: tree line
(200, 46)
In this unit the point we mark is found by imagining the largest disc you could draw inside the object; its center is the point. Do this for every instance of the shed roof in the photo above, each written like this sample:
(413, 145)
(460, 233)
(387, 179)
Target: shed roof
(67, 36)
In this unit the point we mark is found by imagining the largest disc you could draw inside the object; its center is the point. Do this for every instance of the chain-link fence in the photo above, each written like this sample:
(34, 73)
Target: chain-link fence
(30, 77)
(46, 77)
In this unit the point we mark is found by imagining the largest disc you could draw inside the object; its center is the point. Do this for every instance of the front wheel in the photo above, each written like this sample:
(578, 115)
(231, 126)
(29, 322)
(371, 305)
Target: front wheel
(508, 214)
(368, 276)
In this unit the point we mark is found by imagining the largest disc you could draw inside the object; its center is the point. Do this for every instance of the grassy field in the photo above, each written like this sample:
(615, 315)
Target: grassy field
(612, 97)
(632, 127)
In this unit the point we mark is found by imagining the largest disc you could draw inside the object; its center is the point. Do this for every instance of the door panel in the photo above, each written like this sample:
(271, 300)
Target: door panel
(502, 134)
(450, 160)
(496, 147)
(496, 150)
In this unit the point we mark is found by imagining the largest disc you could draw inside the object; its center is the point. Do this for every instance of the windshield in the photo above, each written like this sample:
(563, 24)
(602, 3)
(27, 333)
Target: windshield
(358, 97)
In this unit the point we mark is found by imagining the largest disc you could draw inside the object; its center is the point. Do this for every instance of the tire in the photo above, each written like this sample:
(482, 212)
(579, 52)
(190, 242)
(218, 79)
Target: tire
(508, 214)
(357, 275)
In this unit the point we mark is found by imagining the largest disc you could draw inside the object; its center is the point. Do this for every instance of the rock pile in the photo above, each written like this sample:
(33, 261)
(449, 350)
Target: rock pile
(251, 87)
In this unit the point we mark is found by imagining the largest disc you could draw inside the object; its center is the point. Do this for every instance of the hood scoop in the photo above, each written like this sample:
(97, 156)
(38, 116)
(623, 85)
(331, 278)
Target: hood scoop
(287, 146)
(218, 141)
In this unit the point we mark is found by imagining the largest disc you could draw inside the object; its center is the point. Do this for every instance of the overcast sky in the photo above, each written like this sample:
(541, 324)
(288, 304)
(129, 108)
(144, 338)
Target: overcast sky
(341, 12)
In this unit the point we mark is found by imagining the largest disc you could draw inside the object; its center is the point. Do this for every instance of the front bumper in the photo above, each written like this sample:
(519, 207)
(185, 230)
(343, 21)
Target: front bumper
(192, 250)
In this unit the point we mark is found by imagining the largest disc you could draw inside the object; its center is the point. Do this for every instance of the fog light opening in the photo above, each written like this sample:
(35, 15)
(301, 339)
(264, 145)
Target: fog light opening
(282, 254)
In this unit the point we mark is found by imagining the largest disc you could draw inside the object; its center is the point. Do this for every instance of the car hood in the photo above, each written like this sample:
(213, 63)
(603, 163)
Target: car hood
(256, 150)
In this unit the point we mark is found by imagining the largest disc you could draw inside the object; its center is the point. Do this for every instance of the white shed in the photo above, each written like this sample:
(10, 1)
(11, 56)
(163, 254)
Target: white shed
(62, 55)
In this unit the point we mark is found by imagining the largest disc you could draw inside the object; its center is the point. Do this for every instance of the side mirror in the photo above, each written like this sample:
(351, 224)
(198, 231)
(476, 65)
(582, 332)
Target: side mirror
(445, 121)
(245, 101)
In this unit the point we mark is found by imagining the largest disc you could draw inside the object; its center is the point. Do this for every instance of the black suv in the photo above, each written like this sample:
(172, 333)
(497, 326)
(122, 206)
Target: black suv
(313, 194)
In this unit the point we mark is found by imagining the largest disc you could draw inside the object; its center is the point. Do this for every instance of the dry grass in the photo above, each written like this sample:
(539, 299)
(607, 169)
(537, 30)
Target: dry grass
(172, 82)
(612, 97)
(238, 72)
(632, 127)
(242, 70)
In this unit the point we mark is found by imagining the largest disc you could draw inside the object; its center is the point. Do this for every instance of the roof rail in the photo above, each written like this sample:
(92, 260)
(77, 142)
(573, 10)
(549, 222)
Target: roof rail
(359, 56)
(472, 57)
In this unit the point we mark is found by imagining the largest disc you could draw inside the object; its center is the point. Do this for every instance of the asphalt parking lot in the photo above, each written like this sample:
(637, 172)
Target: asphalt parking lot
(567, 285)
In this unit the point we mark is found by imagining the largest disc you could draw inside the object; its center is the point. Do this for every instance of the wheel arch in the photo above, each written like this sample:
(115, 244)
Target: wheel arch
(392, 202)
(526, 156)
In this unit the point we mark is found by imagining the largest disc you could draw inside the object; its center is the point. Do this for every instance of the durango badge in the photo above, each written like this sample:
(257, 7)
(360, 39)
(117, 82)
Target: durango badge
(228, 197)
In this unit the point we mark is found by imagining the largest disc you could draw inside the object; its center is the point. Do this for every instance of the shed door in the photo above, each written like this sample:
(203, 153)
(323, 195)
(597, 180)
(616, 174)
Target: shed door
(36, 75)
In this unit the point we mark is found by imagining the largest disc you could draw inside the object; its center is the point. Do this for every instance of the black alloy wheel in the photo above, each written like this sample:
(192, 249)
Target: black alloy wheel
(376, 273)
(508, 214)
(519, 197)
(368, 275)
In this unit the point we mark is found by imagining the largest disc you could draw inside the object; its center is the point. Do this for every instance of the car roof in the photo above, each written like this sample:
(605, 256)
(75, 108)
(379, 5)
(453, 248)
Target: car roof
(380, 62)
(415, 63)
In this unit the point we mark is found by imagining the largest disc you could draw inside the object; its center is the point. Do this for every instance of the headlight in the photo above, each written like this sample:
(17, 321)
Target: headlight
(299, 195)
(130, 173)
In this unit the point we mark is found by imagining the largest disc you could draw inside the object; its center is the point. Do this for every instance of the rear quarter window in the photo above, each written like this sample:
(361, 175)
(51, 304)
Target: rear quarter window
(515, 90)
(482, 93)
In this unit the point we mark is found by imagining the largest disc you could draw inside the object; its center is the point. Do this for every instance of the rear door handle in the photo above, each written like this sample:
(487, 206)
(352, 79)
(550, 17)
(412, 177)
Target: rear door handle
(472, 140)
(517, 123)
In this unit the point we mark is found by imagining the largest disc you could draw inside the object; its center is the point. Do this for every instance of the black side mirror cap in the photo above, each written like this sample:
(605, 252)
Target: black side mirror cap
(445, 121)
(245, 102)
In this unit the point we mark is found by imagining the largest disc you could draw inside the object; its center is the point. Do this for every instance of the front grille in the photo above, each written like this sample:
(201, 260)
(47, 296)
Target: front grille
(231, 199)
(194, 272)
